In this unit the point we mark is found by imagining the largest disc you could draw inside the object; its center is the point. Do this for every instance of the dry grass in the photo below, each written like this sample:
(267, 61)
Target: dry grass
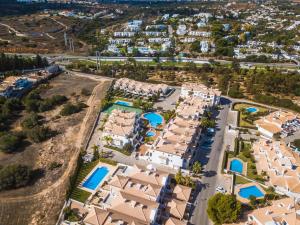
(40, 203)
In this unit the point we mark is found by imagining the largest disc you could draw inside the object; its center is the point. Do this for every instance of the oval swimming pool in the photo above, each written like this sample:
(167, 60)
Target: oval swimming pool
(252, 110)
(236, 166)
(251, 191)
(123, 103)
(150, 133)
(154, 119)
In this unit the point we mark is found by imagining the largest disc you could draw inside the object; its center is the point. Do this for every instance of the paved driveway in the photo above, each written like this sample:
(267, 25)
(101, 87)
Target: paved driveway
(210, 154)
(169, 103)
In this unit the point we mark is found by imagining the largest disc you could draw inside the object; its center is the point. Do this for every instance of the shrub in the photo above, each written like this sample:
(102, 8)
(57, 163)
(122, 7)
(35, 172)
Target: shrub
(71, 215)
(39, 134)
(54, 165)
(85, 92)
(14, 176)
(70, 108)
(30, 121)
(10, 142)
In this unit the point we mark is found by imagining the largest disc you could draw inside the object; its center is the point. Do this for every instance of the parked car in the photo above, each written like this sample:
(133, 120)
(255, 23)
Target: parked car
(220, 189)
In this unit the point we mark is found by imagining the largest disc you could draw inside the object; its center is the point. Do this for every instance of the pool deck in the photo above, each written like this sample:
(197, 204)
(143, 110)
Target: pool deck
(244, 165)
(238, 187)
(111, 170)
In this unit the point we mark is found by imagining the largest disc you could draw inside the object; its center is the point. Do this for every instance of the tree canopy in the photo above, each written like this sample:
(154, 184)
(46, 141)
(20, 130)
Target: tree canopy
(14, 176)
(223, 209)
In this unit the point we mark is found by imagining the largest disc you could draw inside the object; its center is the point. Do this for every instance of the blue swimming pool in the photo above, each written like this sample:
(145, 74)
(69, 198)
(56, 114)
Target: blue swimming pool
(154, 119)
(236, 166)
(95, 179)
(150, 133)
(119, 102)
(251, 191)
(252, 110)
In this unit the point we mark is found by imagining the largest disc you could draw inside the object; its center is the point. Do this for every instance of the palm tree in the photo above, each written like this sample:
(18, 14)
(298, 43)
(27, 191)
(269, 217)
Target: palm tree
(197, 168)
(96, 152)
(108, 139)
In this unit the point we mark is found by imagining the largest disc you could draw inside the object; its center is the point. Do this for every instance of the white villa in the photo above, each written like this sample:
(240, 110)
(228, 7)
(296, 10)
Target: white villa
(281, 211)
(209, 95)
(277, 122)
(140, 88)
(121, 128)
(281, 165)
(140, 196)
(124, 34)
(176, 145)
(191, 108)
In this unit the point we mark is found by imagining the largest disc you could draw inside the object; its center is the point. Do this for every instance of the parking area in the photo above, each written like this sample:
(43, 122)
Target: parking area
(169, 103)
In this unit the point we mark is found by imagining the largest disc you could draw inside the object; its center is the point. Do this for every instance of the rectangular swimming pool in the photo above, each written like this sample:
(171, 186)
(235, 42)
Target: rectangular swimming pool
(95, 178)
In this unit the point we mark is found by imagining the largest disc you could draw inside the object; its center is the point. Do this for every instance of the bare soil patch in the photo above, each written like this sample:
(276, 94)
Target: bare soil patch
(41, 202)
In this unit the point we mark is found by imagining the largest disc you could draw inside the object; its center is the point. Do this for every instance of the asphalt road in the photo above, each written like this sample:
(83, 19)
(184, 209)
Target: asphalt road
(210, 155)
(59, 57)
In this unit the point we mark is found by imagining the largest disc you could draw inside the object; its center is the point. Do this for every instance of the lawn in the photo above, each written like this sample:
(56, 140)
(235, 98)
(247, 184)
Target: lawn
(121, 107)
(77, 193)
(243, 122)
(246, 155)
(80, 195)
(241, 180)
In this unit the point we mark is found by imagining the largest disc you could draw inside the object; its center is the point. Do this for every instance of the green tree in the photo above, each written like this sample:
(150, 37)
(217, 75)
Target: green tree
(10, 142)
(108, 139)
(39, 133)
(223, 209)
(14, 176)
(30, 121)
(96, 155)
(253, 200)
(197, 168)
(206, 122)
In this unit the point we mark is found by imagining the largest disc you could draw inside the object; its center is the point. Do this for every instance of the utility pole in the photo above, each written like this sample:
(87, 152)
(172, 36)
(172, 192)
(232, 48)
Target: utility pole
(228, 88)
(71, 44)
(66, 39)
(98, 60)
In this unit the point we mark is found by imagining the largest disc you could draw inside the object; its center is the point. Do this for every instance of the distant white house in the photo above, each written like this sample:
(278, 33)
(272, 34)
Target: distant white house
(201, 91)
(124, 34)
(181, 30)
(119, 41)
(204, 46)
(199, 33)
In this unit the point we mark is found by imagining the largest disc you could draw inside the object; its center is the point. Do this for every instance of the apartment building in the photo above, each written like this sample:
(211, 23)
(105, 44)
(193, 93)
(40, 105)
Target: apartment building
(209, 95)
(124, 34)
(154, 33)
(280, 164)
(137, 195)
(13, 86)
(119, 41)
(281, 211)
(121, 128)
(141, 88)
(191, 108)
(278, 122)
(158, 40)
(199, 33)
(176, 146)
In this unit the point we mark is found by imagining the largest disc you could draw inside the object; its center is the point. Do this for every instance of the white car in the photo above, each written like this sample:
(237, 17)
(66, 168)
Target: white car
(220, 190)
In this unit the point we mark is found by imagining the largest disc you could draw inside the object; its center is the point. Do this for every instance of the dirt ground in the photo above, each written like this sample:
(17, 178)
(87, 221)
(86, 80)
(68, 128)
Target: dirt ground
(41, 202)
(36, 32)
